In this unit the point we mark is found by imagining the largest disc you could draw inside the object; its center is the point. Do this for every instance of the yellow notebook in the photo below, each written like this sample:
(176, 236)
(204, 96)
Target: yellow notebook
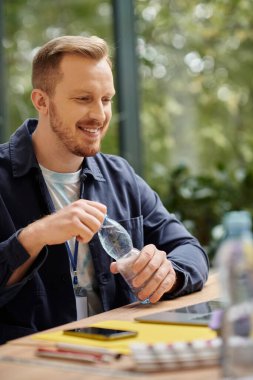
(147, 333)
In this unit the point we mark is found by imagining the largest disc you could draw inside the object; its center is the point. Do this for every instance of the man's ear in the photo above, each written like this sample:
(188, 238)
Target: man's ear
(40, 101)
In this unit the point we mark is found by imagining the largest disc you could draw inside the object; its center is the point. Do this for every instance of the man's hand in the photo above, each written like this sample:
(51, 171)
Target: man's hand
(154, 273)
(81, 219)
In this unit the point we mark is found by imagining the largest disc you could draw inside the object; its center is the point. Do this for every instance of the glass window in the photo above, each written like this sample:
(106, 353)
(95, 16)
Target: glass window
(197, 105)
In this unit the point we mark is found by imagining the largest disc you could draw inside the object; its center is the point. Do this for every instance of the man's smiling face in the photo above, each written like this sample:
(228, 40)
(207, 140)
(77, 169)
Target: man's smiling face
(80, 107)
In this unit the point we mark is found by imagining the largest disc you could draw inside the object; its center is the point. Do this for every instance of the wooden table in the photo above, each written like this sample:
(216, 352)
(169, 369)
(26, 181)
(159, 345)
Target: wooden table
(18, 360)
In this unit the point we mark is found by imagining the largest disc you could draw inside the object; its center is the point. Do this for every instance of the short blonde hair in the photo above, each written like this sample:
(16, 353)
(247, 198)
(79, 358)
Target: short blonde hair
(46, 63)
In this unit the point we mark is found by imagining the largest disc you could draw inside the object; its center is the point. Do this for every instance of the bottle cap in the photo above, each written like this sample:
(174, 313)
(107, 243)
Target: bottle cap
(237, 221)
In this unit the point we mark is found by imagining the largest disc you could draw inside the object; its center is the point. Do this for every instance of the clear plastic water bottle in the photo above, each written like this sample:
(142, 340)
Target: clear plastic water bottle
(234, 260)
(118, 244)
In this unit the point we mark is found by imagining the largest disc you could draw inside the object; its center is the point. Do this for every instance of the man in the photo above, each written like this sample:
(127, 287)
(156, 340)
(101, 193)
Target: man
(55, 191)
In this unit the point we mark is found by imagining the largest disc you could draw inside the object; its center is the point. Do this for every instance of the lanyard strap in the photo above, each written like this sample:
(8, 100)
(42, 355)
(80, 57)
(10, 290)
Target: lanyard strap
(73, 260)
(72, 257)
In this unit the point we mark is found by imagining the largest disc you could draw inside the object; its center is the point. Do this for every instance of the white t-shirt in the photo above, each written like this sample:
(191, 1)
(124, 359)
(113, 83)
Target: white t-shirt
(64, 188)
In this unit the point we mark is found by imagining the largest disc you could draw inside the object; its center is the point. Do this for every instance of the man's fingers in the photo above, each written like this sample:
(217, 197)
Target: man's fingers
(165, 286)
(114, 268)
(153, 264)
(144, 258)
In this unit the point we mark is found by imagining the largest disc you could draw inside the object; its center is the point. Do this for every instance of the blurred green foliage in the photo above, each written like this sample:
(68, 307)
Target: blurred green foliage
(197, 107)
(196, 92)
(201, 200)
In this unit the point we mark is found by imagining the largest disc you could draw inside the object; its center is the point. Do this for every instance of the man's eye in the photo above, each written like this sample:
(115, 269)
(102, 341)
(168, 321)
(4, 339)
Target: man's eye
(83, 99)
(107, 100)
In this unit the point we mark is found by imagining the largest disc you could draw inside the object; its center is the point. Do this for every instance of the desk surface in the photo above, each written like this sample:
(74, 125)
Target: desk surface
(18, 360)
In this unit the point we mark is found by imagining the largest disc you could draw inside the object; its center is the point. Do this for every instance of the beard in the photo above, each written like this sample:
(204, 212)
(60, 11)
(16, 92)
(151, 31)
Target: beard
(68, 139)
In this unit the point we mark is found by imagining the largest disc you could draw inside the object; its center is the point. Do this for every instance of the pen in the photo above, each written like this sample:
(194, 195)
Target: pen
(89, 349)
(61, 353)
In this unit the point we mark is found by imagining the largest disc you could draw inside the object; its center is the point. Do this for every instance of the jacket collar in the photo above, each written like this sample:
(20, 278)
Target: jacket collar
(23, 158)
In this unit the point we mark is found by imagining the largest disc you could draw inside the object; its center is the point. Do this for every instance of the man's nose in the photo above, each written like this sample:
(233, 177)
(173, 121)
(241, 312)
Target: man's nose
(97, 112)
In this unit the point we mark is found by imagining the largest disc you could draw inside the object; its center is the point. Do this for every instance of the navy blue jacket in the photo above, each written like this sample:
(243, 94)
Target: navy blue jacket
(44, 298)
